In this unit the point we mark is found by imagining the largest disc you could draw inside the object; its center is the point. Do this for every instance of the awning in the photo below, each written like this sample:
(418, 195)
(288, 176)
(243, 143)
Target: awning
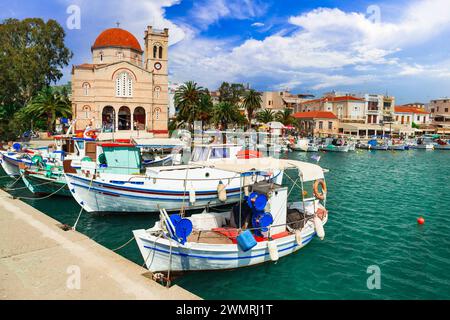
(307, 171)
(158, 143)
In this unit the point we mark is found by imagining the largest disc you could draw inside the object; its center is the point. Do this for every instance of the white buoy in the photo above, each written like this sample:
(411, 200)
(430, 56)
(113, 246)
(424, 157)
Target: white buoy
(319, 227)
(273, 250)
(221, 192)
(299, 238)
(192, 194)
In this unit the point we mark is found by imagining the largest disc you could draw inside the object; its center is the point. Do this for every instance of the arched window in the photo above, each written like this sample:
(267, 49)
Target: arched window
(157, 92)
(87, 112)
(101, 55)
(108, 119)
(160, 52)
(124, 118)
(155, 50)
(86, 87)
(139, 118)
(124, 85)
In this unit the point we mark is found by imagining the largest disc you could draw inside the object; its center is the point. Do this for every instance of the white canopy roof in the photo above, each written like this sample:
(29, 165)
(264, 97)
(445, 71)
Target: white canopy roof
(275, 125)
(307, 171)
(158, 143)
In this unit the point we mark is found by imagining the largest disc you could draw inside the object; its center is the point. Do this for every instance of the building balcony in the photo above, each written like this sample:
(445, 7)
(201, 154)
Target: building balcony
(373, 111)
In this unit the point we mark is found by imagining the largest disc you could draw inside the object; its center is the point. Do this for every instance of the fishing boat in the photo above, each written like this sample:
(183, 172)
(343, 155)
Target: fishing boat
(397, 145)
(441, 145)
(119, 184)
(423, 143)
(48, 180)
(12, 158)
(334, 145)
(304, 145)
(262, 227)
(373, 144)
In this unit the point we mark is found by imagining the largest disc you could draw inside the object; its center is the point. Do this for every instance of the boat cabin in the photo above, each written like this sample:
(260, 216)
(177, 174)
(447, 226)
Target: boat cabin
(211, 152)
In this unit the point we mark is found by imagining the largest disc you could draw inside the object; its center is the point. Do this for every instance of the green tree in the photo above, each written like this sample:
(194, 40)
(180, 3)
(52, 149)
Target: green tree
(205, 108)
(187, 100)
(231, 93)
(252, 102)
(32, 54)
(285, 117)
(265, 116)
(226, 113)
(51, 103)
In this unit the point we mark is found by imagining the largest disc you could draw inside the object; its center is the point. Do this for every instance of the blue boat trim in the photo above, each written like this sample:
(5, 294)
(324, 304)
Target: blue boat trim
(107, 192)
(227, 258)
(150, 191)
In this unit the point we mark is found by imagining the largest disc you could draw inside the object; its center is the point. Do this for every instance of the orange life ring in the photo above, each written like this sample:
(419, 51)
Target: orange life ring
(317, 194)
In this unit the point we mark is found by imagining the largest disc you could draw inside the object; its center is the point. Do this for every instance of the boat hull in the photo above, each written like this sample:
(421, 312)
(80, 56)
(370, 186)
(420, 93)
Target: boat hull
(10, 164)
(335, 148)
(149, 194)
(158, 253)
(442, 147)
(39, 184)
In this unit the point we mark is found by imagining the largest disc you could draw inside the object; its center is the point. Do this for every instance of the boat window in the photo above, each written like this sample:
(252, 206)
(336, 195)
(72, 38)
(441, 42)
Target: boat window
(200, 154)
(220, 153)
(80, 145)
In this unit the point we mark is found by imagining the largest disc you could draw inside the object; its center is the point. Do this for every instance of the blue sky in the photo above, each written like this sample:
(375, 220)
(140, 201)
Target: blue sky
(398, 47)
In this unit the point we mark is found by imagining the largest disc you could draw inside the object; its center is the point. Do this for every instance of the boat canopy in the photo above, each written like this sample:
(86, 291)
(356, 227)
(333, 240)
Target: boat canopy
(158, 143)
(307, 171)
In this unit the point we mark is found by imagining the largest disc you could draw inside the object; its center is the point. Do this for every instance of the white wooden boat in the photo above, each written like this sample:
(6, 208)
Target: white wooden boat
(214, 239)
(304, 145)
(441, 145)
(119, 185)
(11, 161)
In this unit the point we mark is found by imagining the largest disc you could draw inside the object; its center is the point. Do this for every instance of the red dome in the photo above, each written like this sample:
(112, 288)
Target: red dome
(116, 37)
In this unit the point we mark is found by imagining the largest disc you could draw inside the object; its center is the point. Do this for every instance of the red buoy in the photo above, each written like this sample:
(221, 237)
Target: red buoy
(420, 220)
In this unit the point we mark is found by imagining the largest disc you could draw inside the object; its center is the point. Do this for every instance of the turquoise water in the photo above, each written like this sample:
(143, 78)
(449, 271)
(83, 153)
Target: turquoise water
(374, 200)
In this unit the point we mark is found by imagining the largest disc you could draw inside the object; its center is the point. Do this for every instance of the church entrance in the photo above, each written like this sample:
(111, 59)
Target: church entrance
(108, 119)
(139, 118)
(124, 118)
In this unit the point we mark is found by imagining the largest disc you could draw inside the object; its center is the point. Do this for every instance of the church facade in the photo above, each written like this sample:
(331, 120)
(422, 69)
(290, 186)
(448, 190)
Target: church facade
(125, 88)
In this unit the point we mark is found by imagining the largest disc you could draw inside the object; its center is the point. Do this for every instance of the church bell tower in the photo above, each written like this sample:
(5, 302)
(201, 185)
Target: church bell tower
(156, 61)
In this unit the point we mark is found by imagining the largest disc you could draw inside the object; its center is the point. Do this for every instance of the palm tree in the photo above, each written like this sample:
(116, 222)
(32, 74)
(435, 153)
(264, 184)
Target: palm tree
(265, 116)
(187, 98)
(51, 103)
(205, 109)
(285, 117)
(226, 113)
(252, 102)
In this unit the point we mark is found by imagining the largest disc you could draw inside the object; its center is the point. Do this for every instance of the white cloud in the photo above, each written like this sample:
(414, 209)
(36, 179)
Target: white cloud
(205, 13)
(133, 16)
(326, 44)
(258, 24)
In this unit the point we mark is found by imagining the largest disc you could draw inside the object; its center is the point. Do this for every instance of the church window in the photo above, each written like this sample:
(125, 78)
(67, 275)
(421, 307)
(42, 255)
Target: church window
(160, 52)
(124, 85)
(157, 92)
(86, 87)
(155, 50)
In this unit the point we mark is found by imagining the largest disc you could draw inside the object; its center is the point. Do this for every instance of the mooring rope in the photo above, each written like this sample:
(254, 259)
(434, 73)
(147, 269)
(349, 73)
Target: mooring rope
(45, 197)
(82, 208)
(124, 245)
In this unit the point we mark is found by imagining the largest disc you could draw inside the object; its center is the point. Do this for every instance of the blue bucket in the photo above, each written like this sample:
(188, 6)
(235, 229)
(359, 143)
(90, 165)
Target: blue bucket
(246, 241)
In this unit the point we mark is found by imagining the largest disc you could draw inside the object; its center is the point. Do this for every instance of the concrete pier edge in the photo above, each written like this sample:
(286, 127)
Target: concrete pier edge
(38, 260)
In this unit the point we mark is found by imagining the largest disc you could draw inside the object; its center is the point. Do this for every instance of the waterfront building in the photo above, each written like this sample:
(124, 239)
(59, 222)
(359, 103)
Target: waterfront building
(317, 123)
(124, 89)
(411, 116)
(440, 114)
(278, 100)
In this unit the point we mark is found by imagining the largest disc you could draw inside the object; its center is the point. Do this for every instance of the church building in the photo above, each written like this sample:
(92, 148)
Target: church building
(125, 88)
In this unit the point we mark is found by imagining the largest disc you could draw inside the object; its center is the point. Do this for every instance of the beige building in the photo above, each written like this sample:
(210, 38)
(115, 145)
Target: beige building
(125, 88)
(317, 123)
(278, 100)
(440, 114)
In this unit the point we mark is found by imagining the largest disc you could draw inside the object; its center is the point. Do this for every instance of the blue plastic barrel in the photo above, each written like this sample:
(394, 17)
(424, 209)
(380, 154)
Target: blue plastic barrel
(246, 241)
